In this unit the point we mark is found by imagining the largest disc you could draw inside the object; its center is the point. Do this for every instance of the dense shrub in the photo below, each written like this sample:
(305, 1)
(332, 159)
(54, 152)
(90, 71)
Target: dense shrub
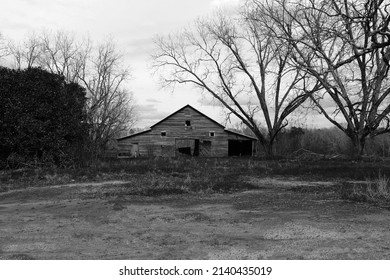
(42, 118)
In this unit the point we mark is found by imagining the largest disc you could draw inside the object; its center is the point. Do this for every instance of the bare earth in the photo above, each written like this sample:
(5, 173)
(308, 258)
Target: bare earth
(283, 218)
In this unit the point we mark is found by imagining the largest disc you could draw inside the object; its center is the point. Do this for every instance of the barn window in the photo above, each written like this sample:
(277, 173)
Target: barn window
(163, 133)
(211, 133)
(188, 123)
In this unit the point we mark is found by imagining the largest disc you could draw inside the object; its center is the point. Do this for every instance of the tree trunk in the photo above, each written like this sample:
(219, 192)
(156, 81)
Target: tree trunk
(266, 144)
(358, 143)
(268, 148)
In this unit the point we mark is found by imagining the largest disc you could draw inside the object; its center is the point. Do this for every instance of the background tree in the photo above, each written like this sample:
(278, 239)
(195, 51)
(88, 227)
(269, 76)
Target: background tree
(3, 47)
(343, 45)
(62, 54)
(110, 107)
(239, 64)
(26, 54)
(42, 116)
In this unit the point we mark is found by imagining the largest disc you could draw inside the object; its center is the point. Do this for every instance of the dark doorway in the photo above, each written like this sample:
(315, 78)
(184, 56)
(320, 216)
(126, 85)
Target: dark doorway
(196, 148)
(239, 147)
(185, 150)
(188, 146)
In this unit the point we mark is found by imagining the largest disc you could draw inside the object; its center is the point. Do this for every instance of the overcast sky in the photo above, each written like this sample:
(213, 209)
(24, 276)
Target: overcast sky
(132, 24)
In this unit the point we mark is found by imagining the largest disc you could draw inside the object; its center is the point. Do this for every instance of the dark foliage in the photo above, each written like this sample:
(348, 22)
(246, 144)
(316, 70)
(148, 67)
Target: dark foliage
(42, 118)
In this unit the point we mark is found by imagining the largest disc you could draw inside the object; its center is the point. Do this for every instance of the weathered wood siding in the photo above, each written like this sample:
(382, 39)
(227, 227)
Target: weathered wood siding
(143, 141)
(151, 143)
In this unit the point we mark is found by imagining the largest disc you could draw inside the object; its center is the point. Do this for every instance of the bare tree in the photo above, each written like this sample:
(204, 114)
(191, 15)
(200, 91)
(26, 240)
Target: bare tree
(239, 64)
(27, 53)
(63, 55)
(57, 52)
(3, 47)
(343, 45)
(110, 105)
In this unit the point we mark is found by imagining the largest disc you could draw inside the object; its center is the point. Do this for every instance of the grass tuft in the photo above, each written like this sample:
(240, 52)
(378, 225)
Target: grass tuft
(372, 190)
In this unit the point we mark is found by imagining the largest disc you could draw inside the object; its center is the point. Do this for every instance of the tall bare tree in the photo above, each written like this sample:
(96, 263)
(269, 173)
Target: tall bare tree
(344, 45)
(110, 105)
(62, 54)
(238, 63)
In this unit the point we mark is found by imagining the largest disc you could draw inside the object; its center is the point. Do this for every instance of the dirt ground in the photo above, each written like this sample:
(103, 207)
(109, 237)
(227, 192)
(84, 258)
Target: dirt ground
(282, 218)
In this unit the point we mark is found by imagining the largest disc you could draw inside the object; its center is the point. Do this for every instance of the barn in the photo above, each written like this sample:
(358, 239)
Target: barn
(186, 132)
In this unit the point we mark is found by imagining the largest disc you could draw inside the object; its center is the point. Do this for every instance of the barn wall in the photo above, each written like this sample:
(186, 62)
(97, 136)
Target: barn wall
(144, 142)
(199, 129)
(151, 143)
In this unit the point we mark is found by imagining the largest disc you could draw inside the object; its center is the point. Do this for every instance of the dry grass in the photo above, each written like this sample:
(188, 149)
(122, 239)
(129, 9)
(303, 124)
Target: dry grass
(160, 176)
(378, 188)
(372, 190)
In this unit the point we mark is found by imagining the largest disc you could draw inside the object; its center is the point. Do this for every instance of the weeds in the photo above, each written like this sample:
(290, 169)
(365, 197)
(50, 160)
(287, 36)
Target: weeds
(382, 186)
(20, 257)
(159, 176)
(372, 190)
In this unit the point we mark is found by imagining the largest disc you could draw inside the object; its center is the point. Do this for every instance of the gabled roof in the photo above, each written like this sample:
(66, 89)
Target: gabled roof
(135, 134)
(188, 106)
(240, 134)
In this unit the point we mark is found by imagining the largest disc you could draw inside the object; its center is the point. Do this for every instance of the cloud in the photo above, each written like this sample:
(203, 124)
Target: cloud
(226, 6)
(139, 47)
(149, 114)
(152, 100)
(225, 3)
(243, 100)
(207, 101)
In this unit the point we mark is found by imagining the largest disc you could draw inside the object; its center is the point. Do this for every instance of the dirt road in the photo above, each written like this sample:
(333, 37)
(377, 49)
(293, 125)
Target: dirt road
(283, 218)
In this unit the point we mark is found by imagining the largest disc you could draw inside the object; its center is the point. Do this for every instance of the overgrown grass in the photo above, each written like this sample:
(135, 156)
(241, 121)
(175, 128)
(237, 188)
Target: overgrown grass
(159, 176)
(375, 190)
(122, 169)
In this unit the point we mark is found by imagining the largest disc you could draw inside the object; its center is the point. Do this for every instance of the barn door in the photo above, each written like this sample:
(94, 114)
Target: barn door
(187, 147)
(205, 149)
(135, 150)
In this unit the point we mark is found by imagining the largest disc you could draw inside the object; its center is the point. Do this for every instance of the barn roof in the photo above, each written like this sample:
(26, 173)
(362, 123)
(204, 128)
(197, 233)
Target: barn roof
(188, 106)
(240, 134)
(135, 134)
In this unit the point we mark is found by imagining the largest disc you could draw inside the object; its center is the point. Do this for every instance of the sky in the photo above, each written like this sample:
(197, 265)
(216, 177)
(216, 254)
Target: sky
(132, 24)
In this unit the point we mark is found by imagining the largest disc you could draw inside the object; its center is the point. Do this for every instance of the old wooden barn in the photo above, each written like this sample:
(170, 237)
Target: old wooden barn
(186, 132)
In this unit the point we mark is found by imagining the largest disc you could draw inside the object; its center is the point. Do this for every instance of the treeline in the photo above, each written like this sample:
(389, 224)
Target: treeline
(298, 142)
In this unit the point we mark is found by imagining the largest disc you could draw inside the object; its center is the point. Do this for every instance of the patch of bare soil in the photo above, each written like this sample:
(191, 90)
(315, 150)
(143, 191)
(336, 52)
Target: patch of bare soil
(282, 218)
